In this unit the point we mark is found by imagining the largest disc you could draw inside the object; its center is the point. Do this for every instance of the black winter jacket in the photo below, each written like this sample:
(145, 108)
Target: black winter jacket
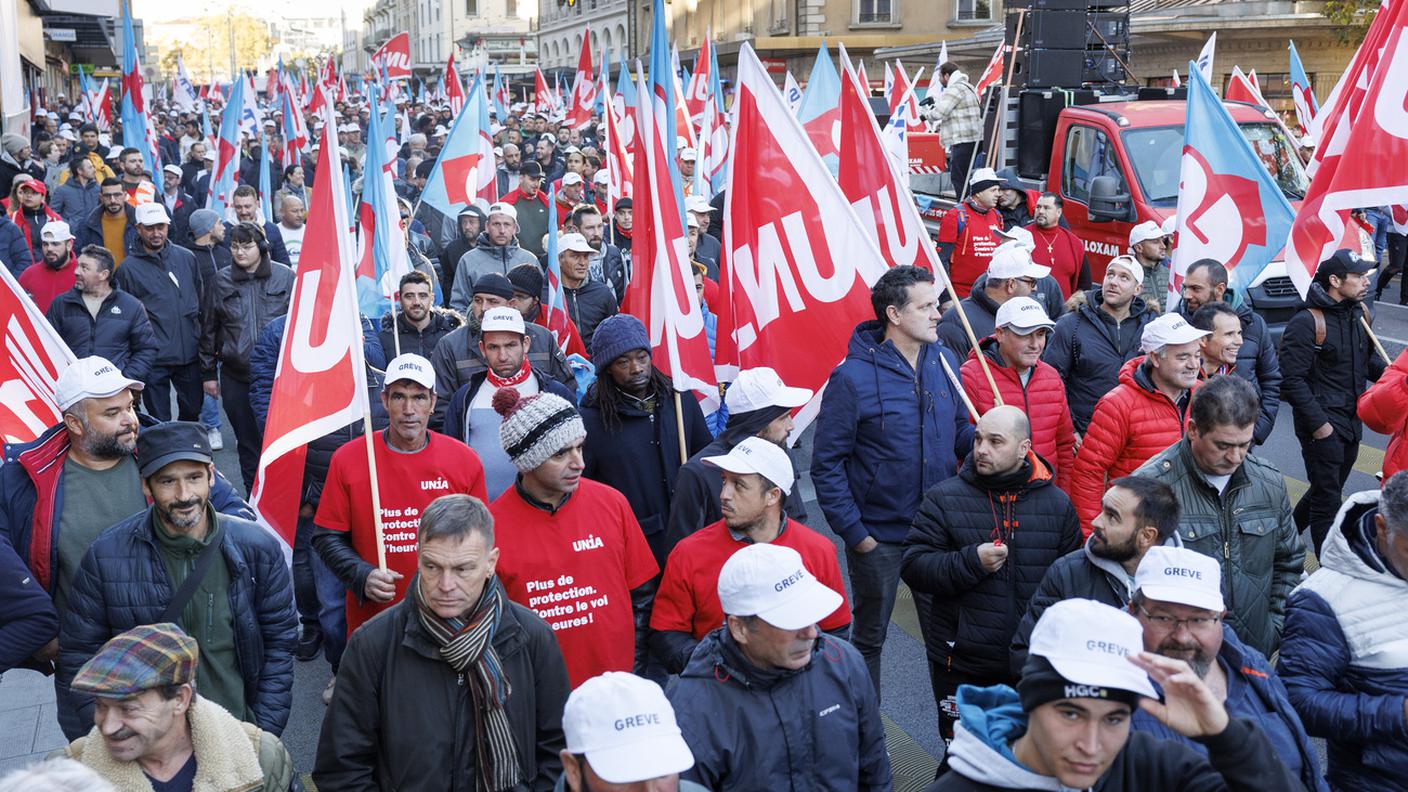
(975, 612)
(817, 728)
(122, 582)
(588, 306)
(640, 457)
(169, 285)
(981, 311)
(241, 305)
(1257, 363)
(13, 249)
(1087, 349)
(1079, 574)
(121, 332)
(420, 342)
(401, 718)
(1323, 383)
(212, 259)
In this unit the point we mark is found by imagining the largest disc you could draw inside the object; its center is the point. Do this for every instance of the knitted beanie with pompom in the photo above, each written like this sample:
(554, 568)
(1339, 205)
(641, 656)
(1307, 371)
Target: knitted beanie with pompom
(535, 427)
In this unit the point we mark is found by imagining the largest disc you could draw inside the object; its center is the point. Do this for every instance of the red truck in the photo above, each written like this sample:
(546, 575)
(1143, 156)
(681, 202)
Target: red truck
(1116, 164)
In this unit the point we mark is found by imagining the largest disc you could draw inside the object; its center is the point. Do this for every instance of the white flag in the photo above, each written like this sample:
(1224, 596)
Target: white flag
(792, 93)
(1205, 57)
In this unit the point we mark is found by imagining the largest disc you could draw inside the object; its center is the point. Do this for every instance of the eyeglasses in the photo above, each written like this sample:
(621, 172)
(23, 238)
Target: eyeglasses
(1171, 624)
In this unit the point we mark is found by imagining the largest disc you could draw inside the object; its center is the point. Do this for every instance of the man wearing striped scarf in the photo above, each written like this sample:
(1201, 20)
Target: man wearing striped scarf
(455, 687)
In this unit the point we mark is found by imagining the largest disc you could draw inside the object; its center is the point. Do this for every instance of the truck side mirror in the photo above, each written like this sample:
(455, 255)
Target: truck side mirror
(1106, 201)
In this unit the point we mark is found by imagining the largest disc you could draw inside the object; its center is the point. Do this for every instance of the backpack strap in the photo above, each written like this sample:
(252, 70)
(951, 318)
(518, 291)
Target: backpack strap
(1318, 316)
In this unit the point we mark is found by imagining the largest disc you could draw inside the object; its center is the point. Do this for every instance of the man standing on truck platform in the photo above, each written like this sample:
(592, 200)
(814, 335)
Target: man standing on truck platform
(959, 121)
(966, 232)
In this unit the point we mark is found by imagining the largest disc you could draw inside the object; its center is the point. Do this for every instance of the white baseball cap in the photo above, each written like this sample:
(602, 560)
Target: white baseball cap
(570, 178)
(1145, 231)
(1130, 264)
(56, 231)
(410, 366)
(688, 153)
(1181, 576)
(90, 378)
(502, 319)
(1166, 329)
(601, 177)
(982, 175)
(771, 582)
(756, 455)
(1014, 261)
(573, 242)
(1023, 316)
(1087, 642)
(697, 203)
(757, 388)
(626, 728)
(151, 213)
(114, 152)
(505, 209)
(1169, 225)
(691, 221)
(173, 169)
(1019, 235)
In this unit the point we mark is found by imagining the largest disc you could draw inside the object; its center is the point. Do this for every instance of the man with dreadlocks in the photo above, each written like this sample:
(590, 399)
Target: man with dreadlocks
(633, 440)
(455, 639)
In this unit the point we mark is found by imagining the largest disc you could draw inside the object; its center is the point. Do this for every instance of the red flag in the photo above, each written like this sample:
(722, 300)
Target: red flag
(1241, 88)
(1363, 134)
(798, 263)
(993, 73)
(32, 359)
(871, 180)
(320, 383)
(620, 162)
(394, 56)
(697, 92)
(661, 292)
(579, 110)
(683, 126)
(454, 91)
(903, 93)
(542, 94)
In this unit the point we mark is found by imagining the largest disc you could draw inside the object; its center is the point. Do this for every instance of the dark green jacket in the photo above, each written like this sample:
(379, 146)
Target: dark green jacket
(1248, 528)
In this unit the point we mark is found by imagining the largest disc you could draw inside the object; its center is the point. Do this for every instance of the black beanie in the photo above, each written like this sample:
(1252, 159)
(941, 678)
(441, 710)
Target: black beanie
(1041, 684)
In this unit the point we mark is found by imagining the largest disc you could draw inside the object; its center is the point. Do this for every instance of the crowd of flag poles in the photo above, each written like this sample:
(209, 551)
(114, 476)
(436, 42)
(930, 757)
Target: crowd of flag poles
(806, 231)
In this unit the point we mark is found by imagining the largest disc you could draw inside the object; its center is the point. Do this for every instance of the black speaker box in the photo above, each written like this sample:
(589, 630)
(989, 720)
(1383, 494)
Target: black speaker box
(1101, 66)
(1050, 30)
(1038, 68)
(1112, 28)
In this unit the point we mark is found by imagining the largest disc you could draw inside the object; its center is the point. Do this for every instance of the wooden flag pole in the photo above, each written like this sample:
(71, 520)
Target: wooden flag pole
(376, 491)
(973, 339)
(958, 386)
(679, 426)
(1364, 320)
(1006, 85)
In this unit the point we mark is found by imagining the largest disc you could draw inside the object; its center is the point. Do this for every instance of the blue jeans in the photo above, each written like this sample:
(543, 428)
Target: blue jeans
(332, 611)
(210, 412)
(875, 578)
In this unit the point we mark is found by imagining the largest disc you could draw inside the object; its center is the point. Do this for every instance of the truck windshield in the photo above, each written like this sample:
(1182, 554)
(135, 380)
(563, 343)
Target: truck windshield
(1156, 154)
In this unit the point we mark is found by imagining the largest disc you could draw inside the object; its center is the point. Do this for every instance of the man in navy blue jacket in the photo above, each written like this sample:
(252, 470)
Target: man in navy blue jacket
(891, 426)
(1178, 602)
(1342, 655)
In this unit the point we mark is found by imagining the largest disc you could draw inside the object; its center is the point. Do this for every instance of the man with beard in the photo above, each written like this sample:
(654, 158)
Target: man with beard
(1058, 247)
(966, 240)
(96, 318)
(495, 251)
(134, 170)
(1235, 508)
(757, 477)
(979, 545)
(531, 210)
(113, 224)
(1178, 602)
(1147, 245)
(504, 343)
(457, 357)
(1091, 344)
(1014, 203)
(419, 324)
(221, 579)
(507, 174)
(55, 275)
(1143, 415)
(605, 264)
(468, 226)
(631, 417)
(1136, 514)
(1255, 358)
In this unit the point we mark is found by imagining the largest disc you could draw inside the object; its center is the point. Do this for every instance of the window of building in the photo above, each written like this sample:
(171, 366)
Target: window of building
(973, 10)
(1088, 154)
(869, 12)
(511, 8)
(471, 7)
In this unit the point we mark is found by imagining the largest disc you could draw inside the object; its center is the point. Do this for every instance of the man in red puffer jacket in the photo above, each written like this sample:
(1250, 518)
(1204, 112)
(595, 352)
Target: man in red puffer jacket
(1142, 416)
(1384, 408)
(1013, 354)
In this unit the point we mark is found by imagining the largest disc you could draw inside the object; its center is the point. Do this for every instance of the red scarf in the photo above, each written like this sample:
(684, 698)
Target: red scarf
(518, 378)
